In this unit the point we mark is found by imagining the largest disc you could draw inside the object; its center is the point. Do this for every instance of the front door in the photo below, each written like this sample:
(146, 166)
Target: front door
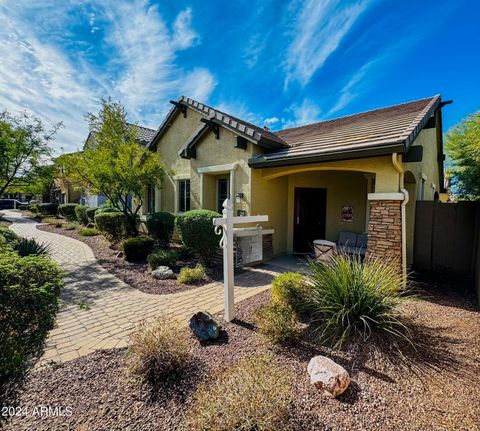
(309, 218)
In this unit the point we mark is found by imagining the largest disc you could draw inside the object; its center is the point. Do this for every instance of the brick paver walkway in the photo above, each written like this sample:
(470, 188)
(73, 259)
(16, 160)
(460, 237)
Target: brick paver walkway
(100, 311)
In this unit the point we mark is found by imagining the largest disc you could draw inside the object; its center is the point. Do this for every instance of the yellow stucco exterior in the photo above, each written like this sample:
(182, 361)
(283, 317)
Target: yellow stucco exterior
(271, 190)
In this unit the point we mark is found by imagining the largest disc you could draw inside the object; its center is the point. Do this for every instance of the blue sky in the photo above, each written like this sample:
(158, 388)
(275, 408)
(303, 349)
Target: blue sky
(275, 63)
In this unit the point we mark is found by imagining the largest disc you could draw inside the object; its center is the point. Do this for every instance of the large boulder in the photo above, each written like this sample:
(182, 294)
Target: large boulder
(204, 326)
(163, 273)
(328, 376)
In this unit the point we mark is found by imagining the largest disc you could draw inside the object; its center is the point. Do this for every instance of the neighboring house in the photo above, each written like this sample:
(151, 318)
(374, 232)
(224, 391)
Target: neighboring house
(360, 173)
(144, 136)
(62, 190)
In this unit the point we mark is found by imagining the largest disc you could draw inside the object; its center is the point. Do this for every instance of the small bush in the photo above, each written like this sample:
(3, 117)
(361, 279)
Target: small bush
(184, 253)
(32, 207)
(68, 211)
(167, 257)
(90, 211)
(47, 209)
(138, 248)
(57, 222)
(81, 214)
(278, 323)
(112, 224)
(291, 289)
(197, 232)
(253, 395)
(354, 299)
(23, 207)
(105, 210)
(30, 247)
(159, 352)
(191, 275)
(160, 226)
(91, 231)
(29, 291)
(8, 234)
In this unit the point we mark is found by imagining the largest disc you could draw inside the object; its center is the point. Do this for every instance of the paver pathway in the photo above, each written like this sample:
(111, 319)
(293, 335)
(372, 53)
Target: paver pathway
(100, 311)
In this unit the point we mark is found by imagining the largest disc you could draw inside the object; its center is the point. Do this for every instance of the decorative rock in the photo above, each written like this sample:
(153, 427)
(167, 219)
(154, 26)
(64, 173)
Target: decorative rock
(163, 273)
(204, 326)
(328, 376)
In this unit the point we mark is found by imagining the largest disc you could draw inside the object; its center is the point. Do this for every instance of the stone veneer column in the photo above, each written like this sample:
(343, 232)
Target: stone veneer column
(385, 230)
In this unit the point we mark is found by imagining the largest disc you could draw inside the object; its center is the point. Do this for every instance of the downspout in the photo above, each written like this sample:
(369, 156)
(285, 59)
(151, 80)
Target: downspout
(402, 189)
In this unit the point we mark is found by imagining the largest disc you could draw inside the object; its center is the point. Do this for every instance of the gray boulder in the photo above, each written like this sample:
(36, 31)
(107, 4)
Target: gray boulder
(204, 326)
(163, 273)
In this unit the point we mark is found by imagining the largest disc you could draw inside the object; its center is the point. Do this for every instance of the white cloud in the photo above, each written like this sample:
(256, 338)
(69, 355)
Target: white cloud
(318, 31)
(139, 50)
(301, 114)
(271, 120)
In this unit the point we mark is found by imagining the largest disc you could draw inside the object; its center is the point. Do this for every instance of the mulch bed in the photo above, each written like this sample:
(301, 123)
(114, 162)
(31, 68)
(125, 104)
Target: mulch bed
(136, 275)
(440, 392)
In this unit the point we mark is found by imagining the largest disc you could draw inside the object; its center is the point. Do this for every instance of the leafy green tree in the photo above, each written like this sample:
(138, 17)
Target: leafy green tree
(113, 163)
(24, 147)
(463, 147)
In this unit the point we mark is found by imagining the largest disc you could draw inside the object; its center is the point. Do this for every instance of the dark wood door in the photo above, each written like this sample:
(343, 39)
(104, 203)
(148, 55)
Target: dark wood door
(309, 218)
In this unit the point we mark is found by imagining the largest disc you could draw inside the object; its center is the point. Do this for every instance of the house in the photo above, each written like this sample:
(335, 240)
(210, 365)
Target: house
(62, 190)
(144, 136)
(360, 173)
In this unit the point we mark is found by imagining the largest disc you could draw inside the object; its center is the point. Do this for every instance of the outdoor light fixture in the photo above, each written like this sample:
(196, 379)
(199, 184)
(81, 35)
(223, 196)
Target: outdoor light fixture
(239, 197)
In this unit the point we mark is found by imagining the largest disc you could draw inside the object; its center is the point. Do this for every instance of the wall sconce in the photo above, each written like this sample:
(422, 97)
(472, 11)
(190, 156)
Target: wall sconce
(239, 197)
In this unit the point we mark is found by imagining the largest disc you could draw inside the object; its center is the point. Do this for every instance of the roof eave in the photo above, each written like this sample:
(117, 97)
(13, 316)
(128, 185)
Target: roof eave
(260, 162)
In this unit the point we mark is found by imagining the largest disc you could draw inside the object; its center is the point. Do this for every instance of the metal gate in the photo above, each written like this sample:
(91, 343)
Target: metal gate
(446, 236)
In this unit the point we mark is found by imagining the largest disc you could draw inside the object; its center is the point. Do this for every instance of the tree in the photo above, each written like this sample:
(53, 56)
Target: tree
(24, 146)
(114, 163)
(463, 147)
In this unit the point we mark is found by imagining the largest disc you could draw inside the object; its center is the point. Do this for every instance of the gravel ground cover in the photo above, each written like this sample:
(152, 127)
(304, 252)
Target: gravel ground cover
(136, 275)
(439, 390)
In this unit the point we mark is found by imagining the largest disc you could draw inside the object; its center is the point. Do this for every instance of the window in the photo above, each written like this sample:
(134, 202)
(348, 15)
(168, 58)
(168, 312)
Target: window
(223, 186)
(183, 195)
(151, 198)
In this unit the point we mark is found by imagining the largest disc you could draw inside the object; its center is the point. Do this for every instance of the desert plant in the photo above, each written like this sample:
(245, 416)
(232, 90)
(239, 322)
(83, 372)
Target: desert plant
(52, 221)
(253, 395)
(138, 248)
(70, 226)
(68, 211)
(90, 231)
(290, 288)
(90, 212)
(197, 232)
(8, 234)
(112, 225)
(164, 256)
(81, 214)
(29, 291)
(30, 247)
(47, 209)
(160, 226)
(159, 351)
(191, 275)
(351, 298)
(278, 323)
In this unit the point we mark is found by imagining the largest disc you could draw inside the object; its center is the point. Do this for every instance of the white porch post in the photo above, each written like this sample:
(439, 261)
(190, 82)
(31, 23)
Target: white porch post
(201, 189)
(228, 261)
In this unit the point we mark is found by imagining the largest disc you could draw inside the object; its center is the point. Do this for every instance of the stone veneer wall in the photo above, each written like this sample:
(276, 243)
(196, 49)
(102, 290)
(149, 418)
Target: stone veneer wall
(385, 230)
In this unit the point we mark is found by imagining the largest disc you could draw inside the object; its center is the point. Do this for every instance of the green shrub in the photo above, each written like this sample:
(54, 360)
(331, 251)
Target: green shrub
(138, 248)
(290, 288)
(29, 290)
(165, 256)
(197, 232)
(354, 299)
(81, 214)
(57, 222)
(30, 247)
(159, 351)
(160, 226)
(278, 323)
(8, 234)
(90, 231)
(32, 207)
(47, 209)
(90, 211)
(184, 253)
(105, 210)
(70, 226)
(191, 275)
(68, 211)
(253, 395)
(112, 224)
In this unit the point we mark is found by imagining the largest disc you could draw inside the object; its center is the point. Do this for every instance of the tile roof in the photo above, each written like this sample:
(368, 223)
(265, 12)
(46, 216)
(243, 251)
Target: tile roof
(380, 131)
(253, 133)
(145, 135)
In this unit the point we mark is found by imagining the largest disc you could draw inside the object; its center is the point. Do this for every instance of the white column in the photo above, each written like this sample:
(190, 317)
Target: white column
(201, 190)
(228, 261)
